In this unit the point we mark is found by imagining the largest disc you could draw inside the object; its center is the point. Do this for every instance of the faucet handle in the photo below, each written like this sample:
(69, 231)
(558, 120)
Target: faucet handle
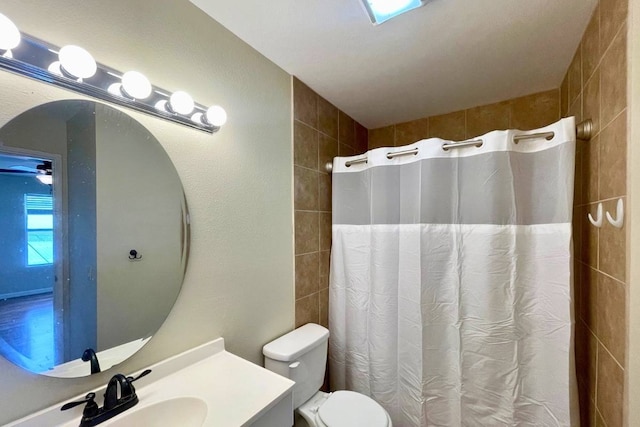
(87, 399)
(90, 410)
(130, 380)
(143, 374)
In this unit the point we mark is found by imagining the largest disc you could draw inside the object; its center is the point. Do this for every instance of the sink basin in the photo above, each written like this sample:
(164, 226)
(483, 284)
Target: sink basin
(181, 411)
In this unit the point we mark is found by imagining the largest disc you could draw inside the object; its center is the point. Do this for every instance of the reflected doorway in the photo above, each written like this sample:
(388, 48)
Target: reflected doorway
(30, 248)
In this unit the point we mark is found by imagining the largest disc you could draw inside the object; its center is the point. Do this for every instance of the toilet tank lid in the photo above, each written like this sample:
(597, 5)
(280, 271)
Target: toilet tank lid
(297, 342)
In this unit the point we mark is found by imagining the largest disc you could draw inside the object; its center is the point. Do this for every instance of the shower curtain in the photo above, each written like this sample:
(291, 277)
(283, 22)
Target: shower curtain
(450, 280)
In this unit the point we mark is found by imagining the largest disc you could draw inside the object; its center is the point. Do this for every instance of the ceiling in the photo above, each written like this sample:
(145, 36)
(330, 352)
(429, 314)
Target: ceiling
(446, 56)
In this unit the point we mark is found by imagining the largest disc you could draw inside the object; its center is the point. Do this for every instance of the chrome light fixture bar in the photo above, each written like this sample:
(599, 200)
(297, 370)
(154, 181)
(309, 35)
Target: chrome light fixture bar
(72, 67)
(380, 11)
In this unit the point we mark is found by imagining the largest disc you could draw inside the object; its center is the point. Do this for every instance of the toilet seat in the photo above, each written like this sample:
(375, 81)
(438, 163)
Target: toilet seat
(351, 409)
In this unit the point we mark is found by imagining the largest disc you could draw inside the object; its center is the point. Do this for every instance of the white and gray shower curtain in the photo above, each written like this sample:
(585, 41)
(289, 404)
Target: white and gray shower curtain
(450, 288)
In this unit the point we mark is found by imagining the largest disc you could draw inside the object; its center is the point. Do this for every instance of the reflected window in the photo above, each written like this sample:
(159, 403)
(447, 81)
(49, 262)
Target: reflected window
(39, 228)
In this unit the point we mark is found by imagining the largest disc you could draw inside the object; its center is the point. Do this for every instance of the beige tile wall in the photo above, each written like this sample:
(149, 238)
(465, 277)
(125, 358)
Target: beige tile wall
(321, 132)
(595, 87)
(528, 112)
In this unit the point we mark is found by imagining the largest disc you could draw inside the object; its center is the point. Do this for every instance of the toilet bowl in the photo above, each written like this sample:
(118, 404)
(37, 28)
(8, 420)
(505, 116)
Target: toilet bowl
(301, 355)
(343, 409)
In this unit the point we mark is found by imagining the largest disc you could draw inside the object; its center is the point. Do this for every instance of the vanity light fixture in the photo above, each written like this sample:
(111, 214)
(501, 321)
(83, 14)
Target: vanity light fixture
(74, 68)
(382, 10)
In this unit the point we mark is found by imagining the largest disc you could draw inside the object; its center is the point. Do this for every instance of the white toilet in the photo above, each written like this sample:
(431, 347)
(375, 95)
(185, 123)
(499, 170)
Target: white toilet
(301, 355)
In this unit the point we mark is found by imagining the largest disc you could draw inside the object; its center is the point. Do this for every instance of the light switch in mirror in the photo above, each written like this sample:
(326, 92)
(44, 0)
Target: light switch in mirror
(84, 186)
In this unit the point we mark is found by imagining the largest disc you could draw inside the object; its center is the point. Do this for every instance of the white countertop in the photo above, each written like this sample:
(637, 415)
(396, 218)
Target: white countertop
(237, 392)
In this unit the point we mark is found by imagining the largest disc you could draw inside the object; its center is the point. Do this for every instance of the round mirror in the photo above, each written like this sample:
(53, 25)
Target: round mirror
(94, 238)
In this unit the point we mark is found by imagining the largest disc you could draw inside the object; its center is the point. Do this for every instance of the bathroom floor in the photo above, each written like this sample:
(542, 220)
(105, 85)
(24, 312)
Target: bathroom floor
(26, 329)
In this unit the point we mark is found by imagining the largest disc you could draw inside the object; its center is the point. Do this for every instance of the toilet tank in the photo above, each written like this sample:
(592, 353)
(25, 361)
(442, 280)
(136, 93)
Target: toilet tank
(300, 355)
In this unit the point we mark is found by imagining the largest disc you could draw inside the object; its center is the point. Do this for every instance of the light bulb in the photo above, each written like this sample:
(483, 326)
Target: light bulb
(161, 105)
(181, 102)
(198, 118)
(115, 89)
(54, 68)
(9, 34)
(135, 85)
(216, 116)
(77, 62)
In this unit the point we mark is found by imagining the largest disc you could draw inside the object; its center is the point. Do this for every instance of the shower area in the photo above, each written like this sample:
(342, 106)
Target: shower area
(450, 283)
(594, 88)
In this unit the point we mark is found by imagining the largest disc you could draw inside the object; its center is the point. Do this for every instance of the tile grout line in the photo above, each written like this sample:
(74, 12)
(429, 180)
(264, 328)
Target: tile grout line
(595, 68)
(618, 114)
(612, 356)
(306, 168)
(311, 211)
(599, 341)
(602, 272)
(601, 344)
(584, 83)
(581, 94)
(602, 128)
(609, 199)
(597, 411)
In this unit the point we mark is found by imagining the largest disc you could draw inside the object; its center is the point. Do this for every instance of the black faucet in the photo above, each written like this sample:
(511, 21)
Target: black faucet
(119, 396)
(90, 355)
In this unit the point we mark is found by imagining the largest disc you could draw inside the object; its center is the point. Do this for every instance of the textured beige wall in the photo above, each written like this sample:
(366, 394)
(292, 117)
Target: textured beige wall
(239, 282)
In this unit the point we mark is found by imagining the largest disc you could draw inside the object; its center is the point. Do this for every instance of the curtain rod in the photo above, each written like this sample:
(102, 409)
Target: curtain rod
(584, 132)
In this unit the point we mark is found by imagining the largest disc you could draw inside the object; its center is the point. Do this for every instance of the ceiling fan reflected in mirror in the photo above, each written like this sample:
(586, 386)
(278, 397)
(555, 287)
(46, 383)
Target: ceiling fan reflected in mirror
(42, 169)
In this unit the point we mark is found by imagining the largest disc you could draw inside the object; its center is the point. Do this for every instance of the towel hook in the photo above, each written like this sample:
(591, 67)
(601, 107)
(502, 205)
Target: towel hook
(619, 215)
(598, 221)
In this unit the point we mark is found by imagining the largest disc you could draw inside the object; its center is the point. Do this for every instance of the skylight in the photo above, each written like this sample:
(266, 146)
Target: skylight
(383, 10)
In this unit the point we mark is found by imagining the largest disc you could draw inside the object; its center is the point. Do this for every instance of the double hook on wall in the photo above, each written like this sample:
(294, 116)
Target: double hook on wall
(617, 222)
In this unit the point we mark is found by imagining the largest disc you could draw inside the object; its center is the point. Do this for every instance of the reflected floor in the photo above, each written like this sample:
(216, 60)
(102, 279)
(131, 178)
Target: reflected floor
(26, 331)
